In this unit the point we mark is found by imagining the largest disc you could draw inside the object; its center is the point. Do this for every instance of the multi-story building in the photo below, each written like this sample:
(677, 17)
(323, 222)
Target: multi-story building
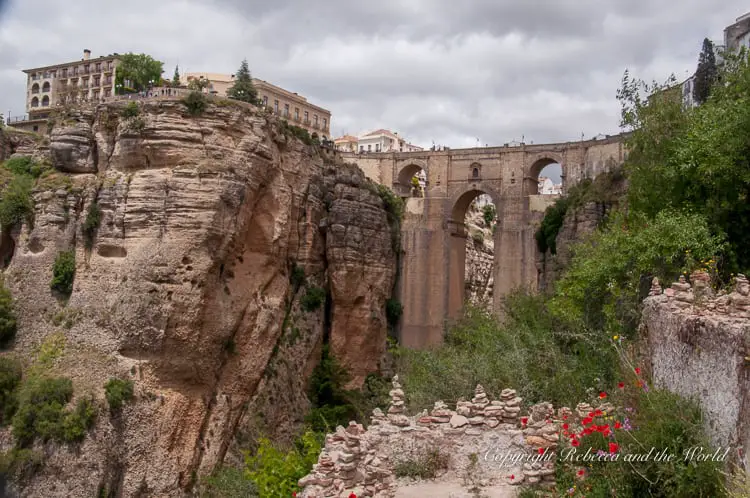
(292, 106)
(548, 187)
(738, 34)
(384, 141)
(82, 80)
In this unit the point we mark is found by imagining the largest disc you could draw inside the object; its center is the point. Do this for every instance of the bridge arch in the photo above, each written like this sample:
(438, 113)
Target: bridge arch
(456, 211)
(405, 172)
(531, 179)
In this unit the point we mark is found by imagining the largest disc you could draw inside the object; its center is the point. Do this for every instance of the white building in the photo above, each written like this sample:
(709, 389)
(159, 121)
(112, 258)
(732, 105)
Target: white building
(384, 141)
(548, 187)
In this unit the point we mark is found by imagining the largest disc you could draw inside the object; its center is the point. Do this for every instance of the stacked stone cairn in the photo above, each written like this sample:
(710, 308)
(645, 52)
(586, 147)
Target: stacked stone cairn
(686, 298)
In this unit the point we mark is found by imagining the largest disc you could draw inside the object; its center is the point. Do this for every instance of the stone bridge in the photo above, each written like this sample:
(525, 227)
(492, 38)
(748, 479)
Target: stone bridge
(431, 286)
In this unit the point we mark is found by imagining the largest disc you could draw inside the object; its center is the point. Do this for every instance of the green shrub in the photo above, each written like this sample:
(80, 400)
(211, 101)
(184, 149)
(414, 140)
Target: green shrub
(76, 424)
(489, 214)
(297, 276)
(394, 205)
(611, 271)
(10, 378)
(63, 272)
(425, 463)
(655, 419)
(275, 472)
(16, 204)
(40, 413)
(393, 311)
(8, 323)
(313, 298)
(24, 165)
(196, 103)
(91, 225)
(131, 110)
(228, 482)
(554, 216)
(297, 132)
(118, 392)
(20, 464)
(477, 236)
(531, 351)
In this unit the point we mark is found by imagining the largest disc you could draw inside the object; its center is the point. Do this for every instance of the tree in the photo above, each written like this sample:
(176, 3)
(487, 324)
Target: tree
(706, 73)
(2, 120)
(243, 88)
(176, 77)
(139, 71)
(198, 84)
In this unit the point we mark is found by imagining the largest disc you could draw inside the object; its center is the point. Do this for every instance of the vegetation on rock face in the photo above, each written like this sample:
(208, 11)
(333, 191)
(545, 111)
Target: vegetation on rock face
(393, 311)
(243, 88)
(118, 392)
(63, 272)
(228, 482)
(297, 132)
(16, 204)
(196, 103)
(131, 110)
(313, 298)
(489, 213)
(91, 225)
(10, 377)
(8, 323)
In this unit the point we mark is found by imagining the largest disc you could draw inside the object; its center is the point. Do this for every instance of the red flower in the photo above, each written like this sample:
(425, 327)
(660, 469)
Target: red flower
(599, 413)
(512, 477)
(352, 495)
(541, 451)
(618, 425)
(565, 417)
(602, 395)
(637, 370)
(549, 421)
(621, 385)
(524, 420)
(613, 447)
(581, 472)
(575, 442)
(587, 421)
(565, 426)
(639, 383)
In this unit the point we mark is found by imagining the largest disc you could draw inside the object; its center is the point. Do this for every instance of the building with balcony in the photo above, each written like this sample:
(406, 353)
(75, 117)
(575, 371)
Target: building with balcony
(289, 105)
(82, 80)
(384, 141)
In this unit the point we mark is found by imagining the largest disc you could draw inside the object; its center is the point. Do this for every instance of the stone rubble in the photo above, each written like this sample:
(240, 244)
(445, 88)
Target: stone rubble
(697, 296)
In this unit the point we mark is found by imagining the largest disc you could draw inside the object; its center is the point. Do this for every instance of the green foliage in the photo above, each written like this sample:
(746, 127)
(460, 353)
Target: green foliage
(489, 213)
(393, 311)
(76, 424)
(611, 271)
(139, 70)
(91, 225)
(394, 205)
(228, 482)
(659, 420)
(295, 131)
(477, 236)
(118, 392)
(20, 464)
(546, 235)
(66, 317)
(131, 110)
(198, 84)
(196, 103)
(63, 272)
(275, 471)
(8, 323)
(706, 74)
(694, 159)
(243, 88)
(297, 276)
(10, 377)
(313, 298)
(24, 165)
(532, 350)
(40, 413)
(424, 463)
(16, 204)
(176, 77)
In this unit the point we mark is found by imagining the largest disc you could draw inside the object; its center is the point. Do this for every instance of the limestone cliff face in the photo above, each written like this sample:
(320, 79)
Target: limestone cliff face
(480, 250)
(187, 286)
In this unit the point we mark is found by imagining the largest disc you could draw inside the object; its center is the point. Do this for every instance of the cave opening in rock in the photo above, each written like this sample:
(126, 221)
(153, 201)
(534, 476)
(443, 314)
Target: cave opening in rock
(7, 247)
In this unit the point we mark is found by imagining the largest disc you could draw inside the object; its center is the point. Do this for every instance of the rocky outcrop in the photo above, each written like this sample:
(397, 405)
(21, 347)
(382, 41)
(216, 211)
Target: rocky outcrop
(480, 251)
(193, 285)
(699, 347)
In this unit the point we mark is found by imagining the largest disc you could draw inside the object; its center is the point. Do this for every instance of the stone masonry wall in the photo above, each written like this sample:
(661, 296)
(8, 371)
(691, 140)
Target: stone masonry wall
(699, 347)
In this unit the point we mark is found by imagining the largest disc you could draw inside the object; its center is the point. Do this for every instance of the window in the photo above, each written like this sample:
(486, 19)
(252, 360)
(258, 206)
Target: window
(36, 127)
(96, 81)
(98, 67)
(53, 74)
(307, 117)
(475, 173)
(369, 147)
(45, 87)
(325, 124)
(265, 100)
(276, 106)
(106, 92)
(35, 102)
(35, 88)
(377, 147)
(45, 101)
(64, 73)
(361, 148)
(315, 120)
(286, 110)
(296, 113)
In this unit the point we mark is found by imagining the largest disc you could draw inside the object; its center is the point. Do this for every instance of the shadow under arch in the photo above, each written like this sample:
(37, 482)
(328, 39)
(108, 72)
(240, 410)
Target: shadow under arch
(456, 235)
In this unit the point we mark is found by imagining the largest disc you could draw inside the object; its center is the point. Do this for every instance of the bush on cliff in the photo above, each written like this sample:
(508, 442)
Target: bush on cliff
(63, 272)
(275, 471)
(16, 204)
(196, 103)
(91, 225)
(24, 165)
(313, 298)
(7, 316)
(118, 392)
(10, 377)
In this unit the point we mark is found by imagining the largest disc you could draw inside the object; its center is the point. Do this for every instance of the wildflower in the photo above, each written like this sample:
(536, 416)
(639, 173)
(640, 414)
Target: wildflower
(618, 425)
(613, 447)
(638, 370)
(511, 477)
(541, 451)
(587, 421)
(600, 453)
(645, 388)
(575, 443)
(621, 385)
(524, 420)
(616, 337)
(565, 426)
(565, 417)
(571, 491)
(581, 472)
(352, 495)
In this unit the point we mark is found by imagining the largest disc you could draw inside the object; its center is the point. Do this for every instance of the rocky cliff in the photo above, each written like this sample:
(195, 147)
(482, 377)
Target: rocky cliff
(480, 251)
(226, 253)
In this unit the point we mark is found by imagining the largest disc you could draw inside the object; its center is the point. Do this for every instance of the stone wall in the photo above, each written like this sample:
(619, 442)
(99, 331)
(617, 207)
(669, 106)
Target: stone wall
(488, 445)
(699, 347)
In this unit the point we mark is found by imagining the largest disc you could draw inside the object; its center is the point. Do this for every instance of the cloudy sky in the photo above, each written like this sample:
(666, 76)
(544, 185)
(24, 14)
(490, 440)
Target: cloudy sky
(445, 71)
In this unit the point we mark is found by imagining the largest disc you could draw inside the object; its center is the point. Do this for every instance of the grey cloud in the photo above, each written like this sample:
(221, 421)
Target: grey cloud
(430, 69)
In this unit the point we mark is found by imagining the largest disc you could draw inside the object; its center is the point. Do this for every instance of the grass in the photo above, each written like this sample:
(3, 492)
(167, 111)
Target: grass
(424, 463)
(118, 392)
